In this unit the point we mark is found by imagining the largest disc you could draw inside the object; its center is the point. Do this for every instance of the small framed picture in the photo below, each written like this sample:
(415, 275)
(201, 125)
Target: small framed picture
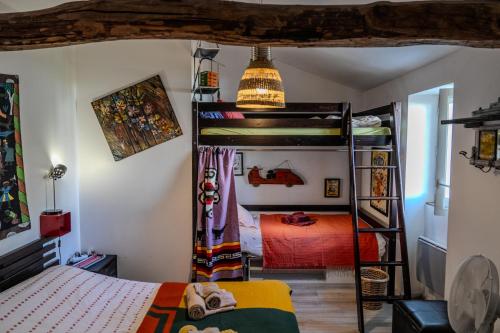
(380, 183)
(238, 164)
(488, 145)
(332, 188)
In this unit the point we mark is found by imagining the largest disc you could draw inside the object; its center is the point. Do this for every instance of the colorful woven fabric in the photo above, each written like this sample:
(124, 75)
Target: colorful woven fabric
(14, 213)
(263, 306)
(217, 252)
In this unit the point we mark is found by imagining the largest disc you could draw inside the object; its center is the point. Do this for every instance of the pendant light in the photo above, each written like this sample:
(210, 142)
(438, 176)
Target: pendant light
(261, 86)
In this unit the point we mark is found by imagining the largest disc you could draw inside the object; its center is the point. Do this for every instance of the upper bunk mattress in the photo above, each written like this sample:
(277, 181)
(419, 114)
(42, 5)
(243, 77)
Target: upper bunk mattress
(359, 131)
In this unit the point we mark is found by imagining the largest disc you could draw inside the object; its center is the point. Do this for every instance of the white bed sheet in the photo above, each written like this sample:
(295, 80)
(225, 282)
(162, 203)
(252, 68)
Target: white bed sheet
(68, 299)
(251, 237)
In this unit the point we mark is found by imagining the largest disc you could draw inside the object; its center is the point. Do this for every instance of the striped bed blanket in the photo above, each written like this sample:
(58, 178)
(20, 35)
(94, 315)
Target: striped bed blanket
(71, 300)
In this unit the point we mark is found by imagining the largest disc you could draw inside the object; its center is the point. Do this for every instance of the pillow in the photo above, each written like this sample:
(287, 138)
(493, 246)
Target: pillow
(233, 115)
(245, 219)
(211, 115)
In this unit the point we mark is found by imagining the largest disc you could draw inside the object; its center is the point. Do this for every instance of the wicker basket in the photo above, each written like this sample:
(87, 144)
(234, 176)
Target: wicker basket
(373, 283)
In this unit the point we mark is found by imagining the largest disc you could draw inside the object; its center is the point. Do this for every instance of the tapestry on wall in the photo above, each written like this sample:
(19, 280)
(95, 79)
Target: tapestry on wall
(137, 118)
(14, 215)
(380, 182)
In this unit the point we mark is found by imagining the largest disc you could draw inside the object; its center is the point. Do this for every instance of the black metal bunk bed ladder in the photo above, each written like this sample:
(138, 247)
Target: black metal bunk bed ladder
(396, 227)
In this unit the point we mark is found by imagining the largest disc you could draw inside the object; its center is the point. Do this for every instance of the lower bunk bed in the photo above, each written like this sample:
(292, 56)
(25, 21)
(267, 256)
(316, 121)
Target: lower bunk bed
(327, 244)
(68, 299)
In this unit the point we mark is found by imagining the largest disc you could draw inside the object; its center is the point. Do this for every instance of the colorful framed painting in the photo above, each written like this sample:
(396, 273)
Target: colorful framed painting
(14, 214)
(488, 145)
(238, 164)
(380, 182)
(136, 118)
(332, 188)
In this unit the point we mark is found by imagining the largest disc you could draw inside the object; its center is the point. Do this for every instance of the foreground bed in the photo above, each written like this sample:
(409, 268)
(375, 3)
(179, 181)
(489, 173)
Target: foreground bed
(67, 299)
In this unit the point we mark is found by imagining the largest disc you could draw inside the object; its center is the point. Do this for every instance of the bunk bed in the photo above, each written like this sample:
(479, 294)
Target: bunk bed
(300, 126)
(322, 127)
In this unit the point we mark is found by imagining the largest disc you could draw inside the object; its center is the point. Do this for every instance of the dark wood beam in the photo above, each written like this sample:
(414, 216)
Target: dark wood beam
(473, 23)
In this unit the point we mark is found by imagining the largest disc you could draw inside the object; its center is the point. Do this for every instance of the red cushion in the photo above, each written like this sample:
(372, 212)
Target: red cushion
(233, 115)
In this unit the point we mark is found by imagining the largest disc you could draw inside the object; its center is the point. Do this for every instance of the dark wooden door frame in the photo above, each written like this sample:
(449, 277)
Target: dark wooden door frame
(473, 23)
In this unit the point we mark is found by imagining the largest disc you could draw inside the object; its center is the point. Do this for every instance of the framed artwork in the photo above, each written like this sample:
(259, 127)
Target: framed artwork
(332, 188)
(14, 214)
(380, 182)
(136, 118)
(488, 145)
(238, 164)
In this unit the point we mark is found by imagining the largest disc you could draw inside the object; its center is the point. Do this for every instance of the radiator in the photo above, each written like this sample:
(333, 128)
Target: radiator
(431, 265)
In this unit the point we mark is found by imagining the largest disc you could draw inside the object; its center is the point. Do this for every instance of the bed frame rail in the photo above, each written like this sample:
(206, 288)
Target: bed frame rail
(26, 262)
(297, 208)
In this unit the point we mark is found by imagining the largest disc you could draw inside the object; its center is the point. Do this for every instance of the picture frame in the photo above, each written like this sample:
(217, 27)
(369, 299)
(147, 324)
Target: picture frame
(380, 182)
(136, 118)
(487, 145)
(238, 166)
(332, 188)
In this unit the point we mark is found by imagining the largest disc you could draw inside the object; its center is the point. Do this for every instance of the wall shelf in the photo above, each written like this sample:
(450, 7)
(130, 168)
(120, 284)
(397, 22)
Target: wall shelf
(206, 52)
(202, 88)
(205, 90)
(485, 153)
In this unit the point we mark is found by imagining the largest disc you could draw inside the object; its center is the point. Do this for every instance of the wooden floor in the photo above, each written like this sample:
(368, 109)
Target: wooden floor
(331, 308)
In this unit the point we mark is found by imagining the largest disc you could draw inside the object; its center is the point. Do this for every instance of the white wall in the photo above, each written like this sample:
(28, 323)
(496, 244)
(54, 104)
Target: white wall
(474, 209)
(140, 207)
(314, 167)
(48, 126)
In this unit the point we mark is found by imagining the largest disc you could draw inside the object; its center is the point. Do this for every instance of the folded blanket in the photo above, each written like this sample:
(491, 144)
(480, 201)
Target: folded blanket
(197, 309)
(298, 219)
(366, 121)
(220, 299)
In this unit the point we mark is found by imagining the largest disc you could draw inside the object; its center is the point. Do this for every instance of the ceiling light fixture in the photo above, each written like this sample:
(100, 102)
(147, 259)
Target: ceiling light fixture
(261, 86)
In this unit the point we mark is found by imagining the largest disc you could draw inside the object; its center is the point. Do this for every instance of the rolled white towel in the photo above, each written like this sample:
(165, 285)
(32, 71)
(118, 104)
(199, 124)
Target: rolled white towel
(195, 303)
(221, 299)
(206, 289)
(197, 309)
(193, 329)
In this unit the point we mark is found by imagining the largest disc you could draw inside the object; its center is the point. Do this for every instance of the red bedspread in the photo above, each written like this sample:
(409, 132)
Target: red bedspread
(327, 243)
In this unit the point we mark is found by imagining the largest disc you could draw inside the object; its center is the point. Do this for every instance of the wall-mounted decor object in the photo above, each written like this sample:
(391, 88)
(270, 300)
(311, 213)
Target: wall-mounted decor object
(136, 118)
(487, 145)
(332, 188)
(274, 177)
(380, 181)
(206, 73)
(485, 153)
(14, 214)
(238, 164)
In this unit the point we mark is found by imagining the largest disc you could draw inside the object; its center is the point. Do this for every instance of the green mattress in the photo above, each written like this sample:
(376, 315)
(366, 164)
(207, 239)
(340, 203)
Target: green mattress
(293, 131)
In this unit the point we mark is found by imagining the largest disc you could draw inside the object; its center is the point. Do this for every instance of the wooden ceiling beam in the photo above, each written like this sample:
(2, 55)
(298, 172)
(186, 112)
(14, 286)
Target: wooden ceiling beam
(473, 23)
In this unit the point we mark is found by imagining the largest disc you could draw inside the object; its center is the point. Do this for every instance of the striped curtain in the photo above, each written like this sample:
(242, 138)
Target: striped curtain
(217, 252)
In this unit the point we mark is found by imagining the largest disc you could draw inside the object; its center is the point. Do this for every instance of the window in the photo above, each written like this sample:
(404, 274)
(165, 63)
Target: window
(443, 152)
